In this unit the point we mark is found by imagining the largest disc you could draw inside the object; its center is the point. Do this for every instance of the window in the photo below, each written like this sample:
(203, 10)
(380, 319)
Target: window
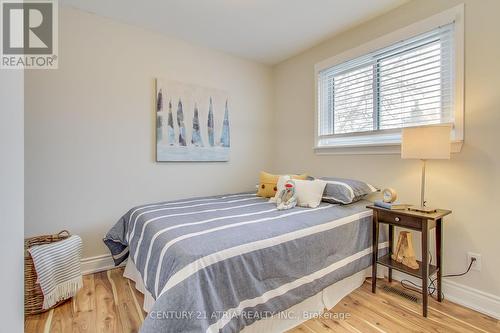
(368, 98)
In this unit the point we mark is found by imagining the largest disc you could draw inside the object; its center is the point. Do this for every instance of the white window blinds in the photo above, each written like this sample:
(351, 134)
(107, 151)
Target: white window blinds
(409, 83)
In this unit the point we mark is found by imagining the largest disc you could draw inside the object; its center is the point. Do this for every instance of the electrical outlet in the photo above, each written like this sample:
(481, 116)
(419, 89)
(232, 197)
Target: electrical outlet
(476, 265)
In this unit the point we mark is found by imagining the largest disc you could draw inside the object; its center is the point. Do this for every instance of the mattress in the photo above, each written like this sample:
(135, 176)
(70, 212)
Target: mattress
(223, 263)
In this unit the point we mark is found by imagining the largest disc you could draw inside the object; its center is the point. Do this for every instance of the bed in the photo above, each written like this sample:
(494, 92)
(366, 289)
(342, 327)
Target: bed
(235, 263)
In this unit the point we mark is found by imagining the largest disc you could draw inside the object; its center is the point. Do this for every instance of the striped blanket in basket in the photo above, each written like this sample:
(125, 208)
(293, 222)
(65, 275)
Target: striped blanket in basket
(58, 269)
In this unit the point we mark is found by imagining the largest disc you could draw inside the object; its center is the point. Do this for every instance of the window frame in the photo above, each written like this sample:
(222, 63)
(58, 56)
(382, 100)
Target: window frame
(389, 141)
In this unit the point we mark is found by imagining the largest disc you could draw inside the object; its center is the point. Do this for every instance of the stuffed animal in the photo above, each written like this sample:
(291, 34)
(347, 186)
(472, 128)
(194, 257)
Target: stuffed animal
(287, 199)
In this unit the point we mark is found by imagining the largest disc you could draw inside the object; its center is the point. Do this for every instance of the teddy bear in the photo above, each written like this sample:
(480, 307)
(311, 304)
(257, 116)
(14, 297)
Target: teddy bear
(287, 198)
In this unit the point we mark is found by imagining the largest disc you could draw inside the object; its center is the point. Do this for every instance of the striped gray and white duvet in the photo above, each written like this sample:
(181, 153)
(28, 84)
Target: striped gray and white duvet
(217, 264)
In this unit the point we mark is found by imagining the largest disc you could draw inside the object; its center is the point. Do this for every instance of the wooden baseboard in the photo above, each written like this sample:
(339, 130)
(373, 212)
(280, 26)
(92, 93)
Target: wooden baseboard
(472, 298)
(96, 264)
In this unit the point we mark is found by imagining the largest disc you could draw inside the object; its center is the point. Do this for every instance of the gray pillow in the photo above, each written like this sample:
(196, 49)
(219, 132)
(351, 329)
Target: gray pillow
(345, 191)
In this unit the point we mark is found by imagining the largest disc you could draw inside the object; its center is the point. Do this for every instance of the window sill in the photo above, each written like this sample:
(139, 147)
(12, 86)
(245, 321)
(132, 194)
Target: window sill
(375, 148)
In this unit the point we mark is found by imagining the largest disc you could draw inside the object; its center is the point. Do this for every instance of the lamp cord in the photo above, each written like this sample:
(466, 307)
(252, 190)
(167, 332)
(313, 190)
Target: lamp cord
(431, 289)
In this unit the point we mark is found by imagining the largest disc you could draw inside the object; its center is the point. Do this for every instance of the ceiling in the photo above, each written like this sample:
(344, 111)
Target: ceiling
(266, 31)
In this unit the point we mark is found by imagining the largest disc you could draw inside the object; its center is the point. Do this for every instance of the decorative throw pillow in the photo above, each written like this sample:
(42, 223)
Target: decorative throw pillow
(309, 192)
(268, 183)
(345, 191)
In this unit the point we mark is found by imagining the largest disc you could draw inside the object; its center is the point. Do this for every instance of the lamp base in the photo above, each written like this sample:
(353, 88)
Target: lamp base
(422, 209)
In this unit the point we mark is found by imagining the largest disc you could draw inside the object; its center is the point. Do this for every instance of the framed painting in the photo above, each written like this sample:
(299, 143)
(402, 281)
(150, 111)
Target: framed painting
(192, 123)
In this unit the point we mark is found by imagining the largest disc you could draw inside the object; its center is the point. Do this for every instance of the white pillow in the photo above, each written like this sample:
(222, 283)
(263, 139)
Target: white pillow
(309, 192)
(280, 186)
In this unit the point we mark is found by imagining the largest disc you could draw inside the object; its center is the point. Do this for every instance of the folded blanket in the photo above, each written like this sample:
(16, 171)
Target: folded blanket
(58, 269)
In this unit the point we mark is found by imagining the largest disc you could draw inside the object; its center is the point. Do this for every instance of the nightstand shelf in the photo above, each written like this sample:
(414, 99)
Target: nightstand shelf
(417, 221)
(387, 261)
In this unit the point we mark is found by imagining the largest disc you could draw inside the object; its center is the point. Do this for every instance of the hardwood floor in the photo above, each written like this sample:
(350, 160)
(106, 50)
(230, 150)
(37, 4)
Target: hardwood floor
(387, 312)
(110, 303)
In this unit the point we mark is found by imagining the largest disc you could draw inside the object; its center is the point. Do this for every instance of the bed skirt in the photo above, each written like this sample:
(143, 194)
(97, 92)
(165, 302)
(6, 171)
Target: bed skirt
(285, 320)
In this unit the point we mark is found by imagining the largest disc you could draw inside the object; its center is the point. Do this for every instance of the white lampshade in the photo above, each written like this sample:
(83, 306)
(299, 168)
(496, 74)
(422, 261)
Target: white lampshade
(426, 143)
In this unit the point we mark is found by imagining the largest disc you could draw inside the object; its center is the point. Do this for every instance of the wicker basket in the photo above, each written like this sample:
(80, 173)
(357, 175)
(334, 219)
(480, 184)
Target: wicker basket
(33, 296)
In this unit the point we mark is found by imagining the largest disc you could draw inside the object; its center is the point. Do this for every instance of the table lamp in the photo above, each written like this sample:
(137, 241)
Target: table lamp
(425, 143)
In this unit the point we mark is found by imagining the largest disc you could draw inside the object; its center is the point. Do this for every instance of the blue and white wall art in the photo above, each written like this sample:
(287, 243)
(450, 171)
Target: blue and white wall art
(192, 123)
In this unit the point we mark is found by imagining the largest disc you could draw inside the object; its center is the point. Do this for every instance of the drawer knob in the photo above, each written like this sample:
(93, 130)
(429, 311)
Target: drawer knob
(397, 219)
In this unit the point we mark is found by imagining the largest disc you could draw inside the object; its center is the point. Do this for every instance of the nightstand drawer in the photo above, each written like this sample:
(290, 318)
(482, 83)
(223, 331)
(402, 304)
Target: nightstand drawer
(399, 219)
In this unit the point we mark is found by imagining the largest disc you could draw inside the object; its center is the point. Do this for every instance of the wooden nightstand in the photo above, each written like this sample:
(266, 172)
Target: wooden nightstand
(417, 221)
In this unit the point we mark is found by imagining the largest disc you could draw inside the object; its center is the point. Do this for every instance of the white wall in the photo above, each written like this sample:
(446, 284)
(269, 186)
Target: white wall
(90, 126)
(468, 184)
(11, 199)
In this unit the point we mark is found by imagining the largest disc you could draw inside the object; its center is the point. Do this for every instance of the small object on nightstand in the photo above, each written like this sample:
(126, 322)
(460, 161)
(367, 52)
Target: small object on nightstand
(391, 205)
(404, 251)
(389, 195)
